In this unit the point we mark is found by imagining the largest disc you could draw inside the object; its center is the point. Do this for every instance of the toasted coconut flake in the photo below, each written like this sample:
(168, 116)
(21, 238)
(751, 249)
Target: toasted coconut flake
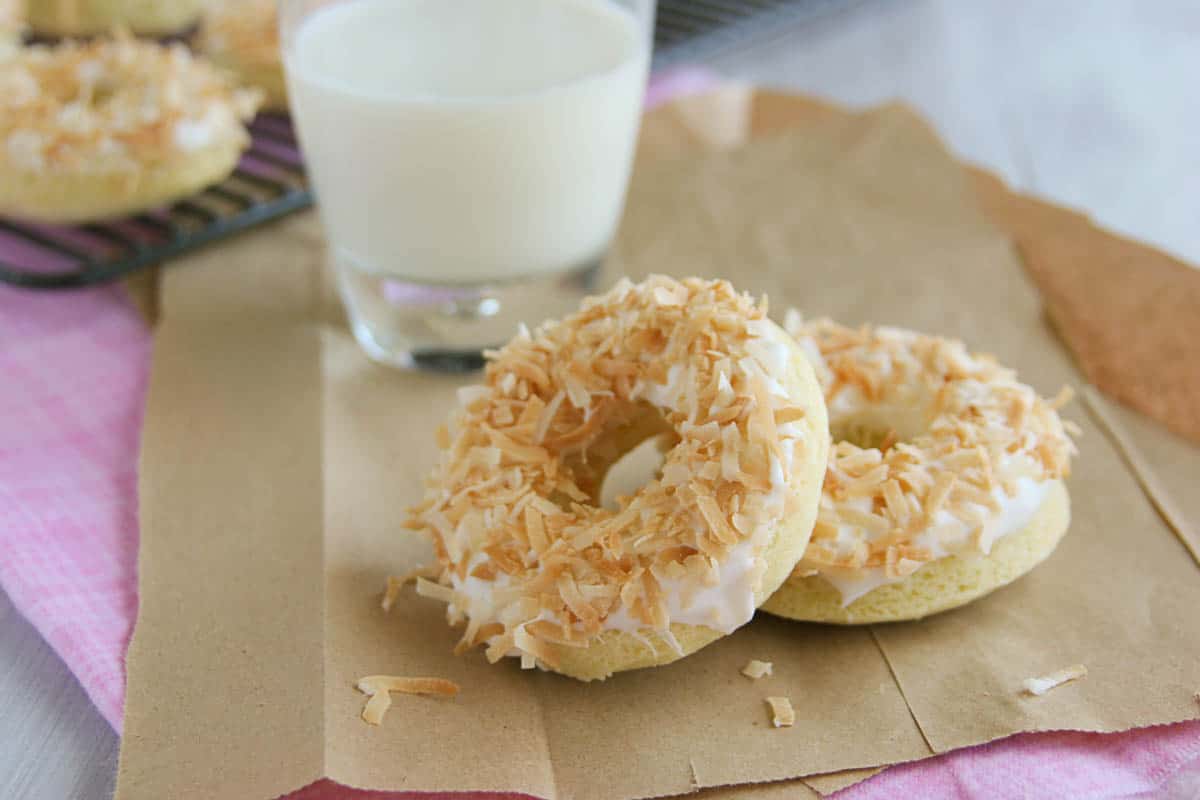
(434, 591)
(576, 603)
(893, 495)
(942, 487)
(378, 689)
(789, 414)
(547, 416)
(716, 520)
(397, 582)
(755, 669)
(527, 643)
(872, 523)
(516, 452)
(1039, 686)
(1064, 396)
(536, 529)
(782, 714)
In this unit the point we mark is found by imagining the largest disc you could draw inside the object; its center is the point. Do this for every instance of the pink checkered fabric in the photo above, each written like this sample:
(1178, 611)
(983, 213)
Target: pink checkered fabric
(73, 370)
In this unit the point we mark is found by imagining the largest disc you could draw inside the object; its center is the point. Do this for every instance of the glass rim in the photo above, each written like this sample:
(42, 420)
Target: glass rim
(645, 27)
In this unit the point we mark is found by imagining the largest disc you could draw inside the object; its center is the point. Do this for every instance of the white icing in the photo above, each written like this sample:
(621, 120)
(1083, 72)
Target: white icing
(661, 394)
(724, 607)
(954, 536)
(480, 593)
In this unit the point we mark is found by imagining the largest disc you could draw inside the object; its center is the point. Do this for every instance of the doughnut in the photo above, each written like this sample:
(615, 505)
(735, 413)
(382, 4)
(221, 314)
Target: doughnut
(107, 128)
(66, 18)
(531, 563)
(11, 21)
(945, 479)
(242, 36)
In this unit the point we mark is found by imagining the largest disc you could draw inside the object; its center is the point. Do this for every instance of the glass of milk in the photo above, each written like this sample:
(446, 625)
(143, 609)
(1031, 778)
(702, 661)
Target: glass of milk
(470, 158)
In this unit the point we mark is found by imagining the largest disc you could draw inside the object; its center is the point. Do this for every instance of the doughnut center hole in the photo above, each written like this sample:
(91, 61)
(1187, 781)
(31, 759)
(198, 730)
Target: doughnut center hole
(865, 437)
(874, 427)
(636, 468)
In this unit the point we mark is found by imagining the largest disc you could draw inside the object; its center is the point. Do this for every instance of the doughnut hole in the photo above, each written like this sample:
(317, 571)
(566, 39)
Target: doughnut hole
(626, 454)
(634, 470)
(871, 425)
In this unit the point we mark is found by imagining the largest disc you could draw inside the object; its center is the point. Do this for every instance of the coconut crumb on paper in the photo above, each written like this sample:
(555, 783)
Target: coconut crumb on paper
(378, 689)
(1039, 686)
(782, 715)
(757, 669)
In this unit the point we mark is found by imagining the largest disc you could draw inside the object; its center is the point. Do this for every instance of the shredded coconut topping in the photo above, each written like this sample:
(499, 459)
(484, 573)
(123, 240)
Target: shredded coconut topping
(528, 558)
(936, 451)
(114, 105)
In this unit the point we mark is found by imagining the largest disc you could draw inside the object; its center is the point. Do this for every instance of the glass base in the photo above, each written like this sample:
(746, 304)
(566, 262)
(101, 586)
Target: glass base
(446, 327)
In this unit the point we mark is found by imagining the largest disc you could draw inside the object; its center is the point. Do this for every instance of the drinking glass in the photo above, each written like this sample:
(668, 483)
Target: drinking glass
(470, 158)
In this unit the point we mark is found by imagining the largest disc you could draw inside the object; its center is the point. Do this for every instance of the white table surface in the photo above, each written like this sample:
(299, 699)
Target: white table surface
(1093, 104)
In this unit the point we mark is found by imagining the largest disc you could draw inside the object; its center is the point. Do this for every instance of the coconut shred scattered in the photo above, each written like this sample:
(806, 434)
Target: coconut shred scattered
(964, 452)
(756, 669)
(1039, 686)
(379, 688)
(113, 105)
(528, 560)
(782, 713)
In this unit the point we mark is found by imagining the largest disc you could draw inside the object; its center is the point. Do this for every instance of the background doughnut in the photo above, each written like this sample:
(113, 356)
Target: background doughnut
(64, 18)
(944, 480)
(242, 36)
(112, 127)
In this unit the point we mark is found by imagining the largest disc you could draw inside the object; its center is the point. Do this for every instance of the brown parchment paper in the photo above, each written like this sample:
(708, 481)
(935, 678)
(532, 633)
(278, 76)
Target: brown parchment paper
(277, 461)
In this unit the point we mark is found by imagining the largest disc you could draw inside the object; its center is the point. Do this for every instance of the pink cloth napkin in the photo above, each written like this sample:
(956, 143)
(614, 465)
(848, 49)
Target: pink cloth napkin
(73, 370)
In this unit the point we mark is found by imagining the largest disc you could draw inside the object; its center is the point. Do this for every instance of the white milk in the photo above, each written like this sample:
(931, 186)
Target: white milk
(468, 141)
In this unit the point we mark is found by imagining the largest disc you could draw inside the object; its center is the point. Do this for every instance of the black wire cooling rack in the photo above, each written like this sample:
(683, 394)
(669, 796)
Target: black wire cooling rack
(269, 182)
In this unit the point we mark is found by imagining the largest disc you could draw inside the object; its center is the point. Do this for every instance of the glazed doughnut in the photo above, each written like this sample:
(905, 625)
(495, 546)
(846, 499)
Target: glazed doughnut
(98, 130)
(67, 18)
(532, 565)
(242, 36)
(944, 481)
